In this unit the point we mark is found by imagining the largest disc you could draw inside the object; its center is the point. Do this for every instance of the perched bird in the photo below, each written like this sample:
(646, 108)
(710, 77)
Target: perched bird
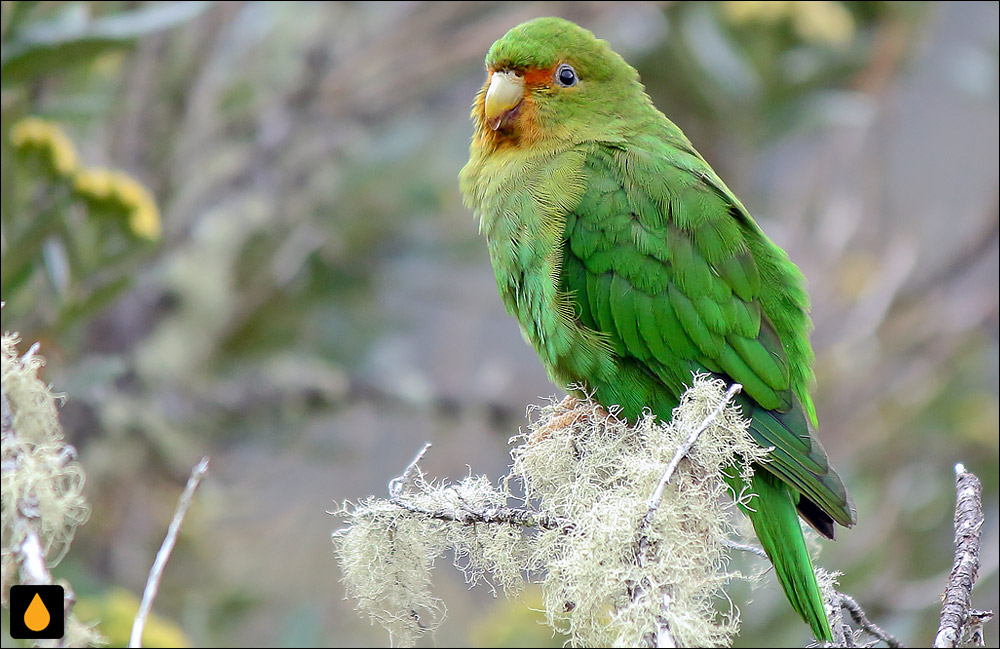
(630, 266)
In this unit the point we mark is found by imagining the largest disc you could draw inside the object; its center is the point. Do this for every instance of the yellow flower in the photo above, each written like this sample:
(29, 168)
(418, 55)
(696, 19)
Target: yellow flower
(34, 134)
(103, 189)
(93, 184)
(117, 191)
(144, 218)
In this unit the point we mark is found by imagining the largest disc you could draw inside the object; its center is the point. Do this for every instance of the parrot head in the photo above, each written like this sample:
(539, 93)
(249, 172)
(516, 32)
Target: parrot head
(551, 80)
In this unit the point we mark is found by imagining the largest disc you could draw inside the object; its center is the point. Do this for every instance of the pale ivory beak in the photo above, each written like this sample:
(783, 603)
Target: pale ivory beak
(504, 94)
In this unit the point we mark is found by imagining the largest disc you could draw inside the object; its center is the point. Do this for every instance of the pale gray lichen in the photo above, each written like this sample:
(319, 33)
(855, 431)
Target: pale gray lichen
(828, 582)
(387, 551)
(42, 483)
(608, 578)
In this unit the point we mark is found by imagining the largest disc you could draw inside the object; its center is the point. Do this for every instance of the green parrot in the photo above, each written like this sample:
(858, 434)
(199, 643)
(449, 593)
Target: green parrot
(631, 266)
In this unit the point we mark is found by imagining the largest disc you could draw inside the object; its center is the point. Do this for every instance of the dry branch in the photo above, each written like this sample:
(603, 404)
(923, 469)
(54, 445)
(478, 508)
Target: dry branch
(156, 572)
(847, 603)
(662, 636)
(960, 623)
(657, 495)
(466, 514)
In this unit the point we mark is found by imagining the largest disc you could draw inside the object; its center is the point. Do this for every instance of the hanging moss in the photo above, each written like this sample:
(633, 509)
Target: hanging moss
(594, 474)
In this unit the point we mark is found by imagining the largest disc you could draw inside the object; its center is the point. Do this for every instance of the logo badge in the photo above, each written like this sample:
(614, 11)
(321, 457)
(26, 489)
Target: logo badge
(36, 612)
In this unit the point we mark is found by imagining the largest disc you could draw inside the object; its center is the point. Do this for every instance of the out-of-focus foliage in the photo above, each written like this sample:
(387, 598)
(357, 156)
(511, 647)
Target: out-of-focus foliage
(71, 232)
(80, 222)
(516, 622)
(319, 303)
(114, 611)
(69, 33)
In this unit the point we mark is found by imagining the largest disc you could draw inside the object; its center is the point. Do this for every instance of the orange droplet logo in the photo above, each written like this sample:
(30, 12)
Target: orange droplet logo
(37, 617)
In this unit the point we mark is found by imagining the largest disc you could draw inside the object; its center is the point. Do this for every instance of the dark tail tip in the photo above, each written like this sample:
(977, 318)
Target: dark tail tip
(816, 517)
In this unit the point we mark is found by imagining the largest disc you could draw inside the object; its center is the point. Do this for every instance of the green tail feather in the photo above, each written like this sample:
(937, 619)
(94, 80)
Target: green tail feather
(777, 525)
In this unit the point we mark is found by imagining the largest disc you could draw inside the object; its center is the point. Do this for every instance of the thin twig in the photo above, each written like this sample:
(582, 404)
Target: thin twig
(466, 514)
(156, 572)
(957, 609)
(654, 500)
(859, 617)
(34, 570)
(396, 484)
(842, 637)
(682, 451)
(662, 635)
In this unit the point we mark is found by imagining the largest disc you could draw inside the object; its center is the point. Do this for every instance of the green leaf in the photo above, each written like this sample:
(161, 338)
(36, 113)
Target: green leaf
(73, 36)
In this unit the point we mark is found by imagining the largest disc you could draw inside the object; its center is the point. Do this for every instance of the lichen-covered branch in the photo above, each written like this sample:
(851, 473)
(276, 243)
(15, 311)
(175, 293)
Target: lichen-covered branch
(662, 636)
(683, 450)
(41, 481)
(624, 526)
(468, 515)
(960, 623)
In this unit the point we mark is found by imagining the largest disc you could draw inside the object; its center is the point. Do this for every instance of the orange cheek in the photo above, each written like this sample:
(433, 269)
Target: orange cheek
(535, 78)
(526, 125)
(523, 130)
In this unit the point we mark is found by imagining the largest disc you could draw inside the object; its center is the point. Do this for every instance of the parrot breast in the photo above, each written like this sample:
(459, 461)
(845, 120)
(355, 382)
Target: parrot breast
(522, 200)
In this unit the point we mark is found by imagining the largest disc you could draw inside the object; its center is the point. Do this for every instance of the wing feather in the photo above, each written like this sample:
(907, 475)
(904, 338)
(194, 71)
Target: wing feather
(662, 262)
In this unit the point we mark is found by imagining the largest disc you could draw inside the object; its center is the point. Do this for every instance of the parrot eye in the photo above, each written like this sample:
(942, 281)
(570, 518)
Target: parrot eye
(566, 75)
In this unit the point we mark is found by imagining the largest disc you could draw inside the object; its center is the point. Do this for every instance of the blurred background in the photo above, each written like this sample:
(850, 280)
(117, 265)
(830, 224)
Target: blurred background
(235, 228)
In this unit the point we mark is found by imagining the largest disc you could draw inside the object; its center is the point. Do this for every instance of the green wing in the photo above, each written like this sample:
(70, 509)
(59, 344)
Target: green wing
(662, 259)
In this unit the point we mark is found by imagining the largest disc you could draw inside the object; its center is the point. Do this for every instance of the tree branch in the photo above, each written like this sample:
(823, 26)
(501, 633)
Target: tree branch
(397, 484)
(156, 572)
(682, 451)
(662, 636)
(494, 515)
(657, 610)
(858, 615)
(959, 621)
(466, 514)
